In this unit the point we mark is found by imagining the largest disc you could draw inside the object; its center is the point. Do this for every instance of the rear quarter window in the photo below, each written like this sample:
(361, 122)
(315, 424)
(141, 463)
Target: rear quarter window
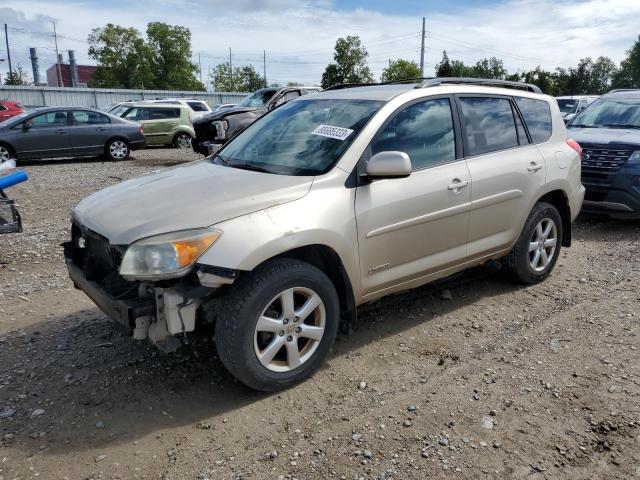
(537, 116)
(198, 106)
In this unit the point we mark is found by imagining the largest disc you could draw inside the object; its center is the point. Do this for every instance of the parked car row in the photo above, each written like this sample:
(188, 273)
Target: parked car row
(323, 204)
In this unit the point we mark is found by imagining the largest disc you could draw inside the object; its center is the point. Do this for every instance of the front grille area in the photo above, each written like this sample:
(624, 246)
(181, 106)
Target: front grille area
(604, 158)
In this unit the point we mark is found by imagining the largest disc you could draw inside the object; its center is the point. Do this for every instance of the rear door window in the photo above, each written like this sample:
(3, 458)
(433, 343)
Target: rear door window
(89, 118)
(424, 131)
(487, 124)
(163, 113)
(537, 116)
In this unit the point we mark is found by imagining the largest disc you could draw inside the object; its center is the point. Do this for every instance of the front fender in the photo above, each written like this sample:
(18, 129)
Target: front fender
(249, 240)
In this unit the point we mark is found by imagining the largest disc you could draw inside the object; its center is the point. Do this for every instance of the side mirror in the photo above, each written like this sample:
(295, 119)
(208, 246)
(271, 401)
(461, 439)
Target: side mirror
(389, 165)
(26, 125)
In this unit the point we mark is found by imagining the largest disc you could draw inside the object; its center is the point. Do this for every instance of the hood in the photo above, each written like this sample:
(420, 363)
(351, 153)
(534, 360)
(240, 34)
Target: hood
(604, 136)
(225, 113)
(194, 195)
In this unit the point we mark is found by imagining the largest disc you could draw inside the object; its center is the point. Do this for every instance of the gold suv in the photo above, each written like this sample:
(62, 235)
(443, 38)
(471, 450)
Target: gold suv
(331, 201)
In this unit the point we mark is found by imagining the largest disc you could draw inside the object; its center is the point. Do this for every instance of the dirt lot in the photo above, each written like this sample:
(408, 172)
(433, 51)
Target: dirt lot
(471, 378)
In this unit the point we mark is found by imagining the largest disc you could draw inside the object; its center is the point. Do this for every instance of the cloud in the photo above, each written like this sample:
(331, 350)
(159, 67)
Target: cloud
(299, 36)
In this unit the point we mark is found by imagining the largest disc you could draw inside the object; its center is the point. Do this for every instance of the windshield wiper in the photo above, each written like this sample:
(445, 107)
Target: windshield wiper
(581, 126)
(249, 166)
(620, 125)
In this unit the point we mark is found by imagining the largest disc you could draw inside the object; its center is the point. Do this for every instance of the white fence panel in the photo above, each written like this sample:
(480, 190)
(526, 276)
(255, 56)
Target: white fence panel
(32, 96)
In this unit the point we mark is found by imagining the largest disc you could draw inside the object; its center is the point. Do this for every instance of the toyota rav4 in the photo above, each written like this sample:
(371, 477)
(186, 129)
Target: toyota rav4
(331, 201)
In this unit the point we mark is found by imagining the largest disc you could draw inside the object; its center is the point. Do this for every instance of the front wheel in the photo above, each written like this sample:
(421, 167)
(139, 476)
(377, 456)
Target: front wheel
(182, 140)
(117, 150)
(6, 153)
(536, 252)
(277, 324)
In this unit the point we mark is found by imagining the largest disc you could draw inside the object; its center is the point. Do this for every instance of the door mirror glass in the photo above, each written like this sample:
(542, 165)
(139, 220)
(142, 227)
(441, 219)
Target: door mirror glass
(389, 164)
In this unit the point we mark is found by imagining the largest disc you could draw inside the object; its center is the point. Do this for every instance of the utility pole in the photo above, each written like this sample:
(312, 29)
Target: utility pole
(59, 72)
(422, 50)
(230, 69)
(6, 38)
(264, 66)
(200, 67)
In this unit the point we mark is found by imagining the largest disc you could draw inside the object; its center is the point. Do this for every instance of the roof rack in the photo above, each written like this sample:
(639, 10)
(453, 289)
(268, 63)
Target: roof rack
(340, 86)
(623, 90)
(435, 81)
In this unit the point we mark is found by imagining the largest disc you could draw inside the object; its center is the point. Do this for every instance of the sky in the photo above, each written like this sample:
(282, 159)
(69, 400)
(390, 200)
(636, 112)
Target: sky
(299, 36)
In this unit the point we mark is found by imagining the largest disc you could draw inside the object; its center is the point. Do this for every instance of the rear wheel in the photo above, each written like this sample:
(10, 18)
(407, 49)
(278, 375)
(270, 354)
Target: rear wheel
(277, 324)
(182, 140)
(6, 152)
(117, 150)
(536, 252)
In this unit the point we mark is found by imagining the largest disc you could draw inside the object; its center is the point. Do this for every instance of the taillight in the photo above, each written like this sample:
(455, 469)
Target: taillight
(576, 146)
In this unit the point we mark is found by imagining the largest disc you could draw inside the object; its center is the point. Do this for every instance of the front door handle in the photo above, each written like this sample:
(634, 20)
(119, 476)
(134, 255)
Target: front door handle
(61, 131)
(457, 184)
(534, 167)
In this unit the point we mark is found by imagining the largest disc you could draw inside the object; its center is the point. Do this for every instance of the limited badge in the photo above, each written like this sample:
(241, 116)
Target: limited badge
(329, 131)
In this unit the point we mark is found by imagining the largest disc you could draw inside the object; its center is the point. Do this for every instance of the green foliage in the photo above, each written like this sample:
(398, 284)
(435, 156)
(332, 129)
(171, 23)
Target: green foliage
(244, 79)
(170, 50)
(628, 76)
(126, 60)
(350, 63)
(17, 77)
(123, 57)
(486, 68)
(400, 70)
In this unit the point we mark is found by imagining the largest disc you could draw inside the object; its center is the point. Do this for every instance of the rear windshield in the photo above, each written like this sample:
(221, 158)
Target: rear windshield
(299, 138)
(610, 113)
(537, 116)
(198, 106)
(567, 105)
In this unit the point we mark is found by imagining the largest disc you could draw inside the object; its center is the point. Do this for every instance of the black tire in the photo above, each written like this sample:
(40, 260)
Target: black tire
(6, 150)
(519, 261)
(238, 317)
(117, 150)
(181, 139)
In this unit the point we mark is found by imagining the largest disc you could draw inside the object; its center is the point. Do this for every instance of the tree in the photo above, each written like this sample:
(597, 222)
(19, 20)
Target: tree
(444, 68)
(490, 68)
(400, 70)
(122, 56)
(18, 77)
(628, 76)
(244, 79)
(602, 75)
(350, 63)
(170, 55)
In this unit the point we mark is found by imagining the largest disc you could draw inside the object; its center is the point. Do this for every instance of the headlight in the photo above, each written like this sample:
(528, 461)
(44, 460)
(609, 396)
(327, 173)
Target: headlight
(635, 157)
(167, 256)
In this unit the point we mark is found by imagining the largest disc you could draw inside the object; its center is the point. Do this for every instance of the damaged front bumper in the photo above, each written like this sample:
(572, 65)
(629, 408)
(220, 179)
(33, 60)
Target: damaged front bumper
(162, 312)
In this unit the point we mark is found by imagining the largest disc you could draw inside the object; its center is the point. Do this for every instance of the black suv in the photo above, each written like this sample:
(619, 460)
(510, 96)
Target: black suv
(609, 133)
(214, 129)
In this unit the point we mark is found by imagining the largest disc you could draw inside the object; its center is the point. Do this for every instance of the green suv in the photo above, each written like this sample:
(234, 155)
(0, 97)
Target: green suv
(163, 124)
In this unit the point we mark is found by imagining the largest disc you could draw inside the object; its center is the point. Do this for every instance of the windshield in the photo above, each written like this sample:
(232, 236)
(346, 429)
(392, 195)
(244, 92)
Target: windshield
(15, 119)
(611, 113)
(567, 105)
(258, 99)
(119, 110)
(299, 138)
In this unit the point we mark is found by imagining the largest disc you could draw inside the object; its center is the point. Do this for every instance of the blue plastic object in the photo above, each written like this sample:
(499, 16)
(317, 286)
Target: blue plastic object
(13, 179)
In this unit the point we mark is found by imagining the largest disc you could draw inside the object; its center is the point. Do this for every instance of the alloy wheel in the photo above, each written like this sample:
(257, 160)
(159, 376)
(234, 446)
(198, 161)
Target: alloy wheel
(183, 141)
(542, 245)
(290, 329)
(4, 154)
(118, 149)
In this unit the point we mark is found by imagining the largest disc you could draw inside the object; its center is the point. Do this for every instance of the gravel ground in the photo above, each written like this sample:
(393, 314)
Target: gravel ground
(473, 377)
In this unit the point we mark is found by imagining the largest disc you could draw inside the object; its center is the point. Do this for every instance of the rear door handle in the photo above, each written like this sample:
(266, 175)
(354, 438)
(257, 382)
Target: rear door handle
(534, 167)
(457, 184)
(61, 131)
(102, 129)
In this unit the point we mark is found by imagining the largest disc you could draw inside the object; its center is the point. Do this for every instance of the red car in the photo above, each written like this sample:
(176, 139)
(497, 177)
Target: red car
(9, 109)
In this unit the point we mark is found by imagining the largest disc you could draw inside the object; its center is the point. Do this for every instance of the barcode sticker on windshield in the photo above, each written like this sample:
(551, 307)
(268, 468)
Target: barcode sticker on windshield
(338, 133)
